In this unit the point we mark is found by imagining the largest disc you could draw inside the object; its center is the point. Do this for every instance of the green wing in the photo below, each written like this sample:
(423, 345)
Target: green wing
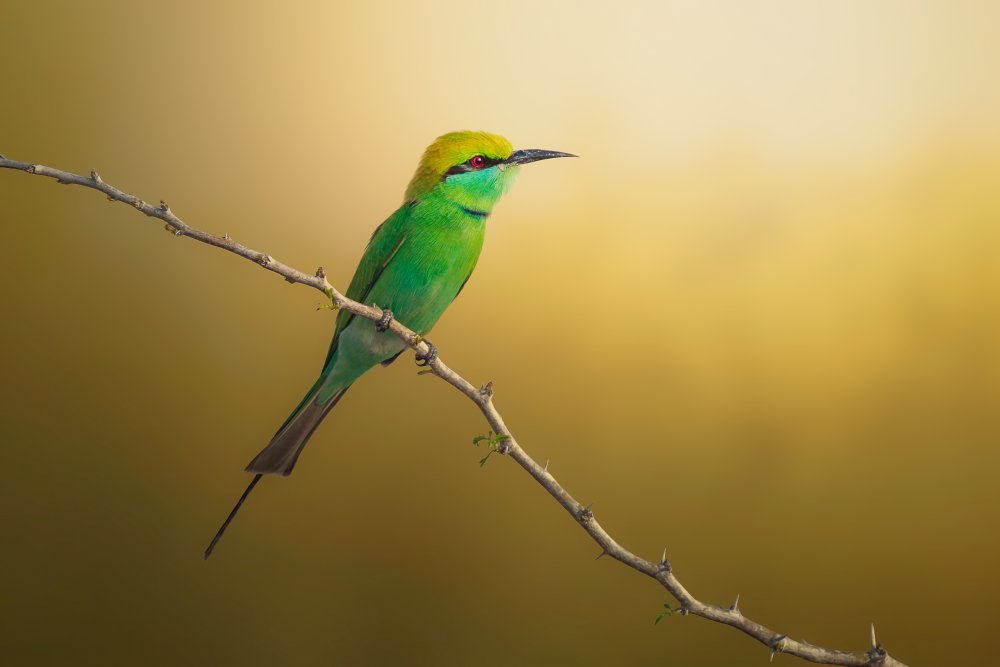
(385, 242)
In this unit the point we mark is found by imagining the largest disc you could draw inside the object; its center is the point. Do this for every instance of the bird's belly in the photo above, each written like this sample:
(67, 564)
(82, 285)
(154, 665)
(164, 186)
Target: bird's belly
(361, 346)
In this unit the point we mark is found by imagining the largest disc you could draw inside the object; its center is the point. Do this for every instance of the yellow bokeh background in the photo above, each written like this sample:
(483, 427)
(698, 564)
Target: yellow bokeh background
(756, 323)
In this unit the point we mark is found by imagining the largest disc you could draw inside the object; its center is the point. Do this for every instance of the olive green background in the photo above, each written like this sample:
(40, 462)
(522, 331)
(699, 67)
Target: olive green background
(756, 323)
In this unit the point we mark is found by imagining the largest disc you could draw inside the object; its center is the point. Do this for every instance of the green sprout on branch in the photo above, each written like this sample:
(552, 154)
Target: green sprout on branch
(328, 306)
(492, 441)
(667, 611)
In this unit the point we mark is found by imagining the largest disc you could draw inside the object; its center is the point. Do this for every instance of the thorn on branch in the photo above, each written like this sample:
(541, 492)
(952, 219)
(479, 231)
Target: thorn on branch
(876, 654)
(664, 564)
(545, 468)
(736, 605)
(604, 552)
(776, 644)
(95, 177)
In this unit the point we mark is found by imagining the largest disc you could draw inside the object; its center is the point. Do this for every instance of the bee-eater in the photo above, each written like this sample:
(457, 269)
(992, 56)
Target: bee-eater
(416, 263)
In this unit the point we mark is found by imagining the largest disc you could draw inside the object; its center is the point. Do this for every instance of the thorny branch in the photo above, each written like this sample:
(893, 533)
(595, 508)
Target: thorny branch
(661, 571)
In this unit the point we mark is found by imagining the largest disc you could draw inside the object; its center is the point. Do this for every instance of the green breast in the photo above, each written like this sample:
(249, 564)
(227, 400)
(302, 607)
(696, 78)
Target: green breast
(442, 245)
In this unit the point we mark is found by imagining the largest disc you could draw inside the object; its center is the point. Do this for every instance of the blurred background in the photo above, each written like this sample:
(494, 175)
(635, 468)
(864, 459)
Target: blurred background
(755, 323)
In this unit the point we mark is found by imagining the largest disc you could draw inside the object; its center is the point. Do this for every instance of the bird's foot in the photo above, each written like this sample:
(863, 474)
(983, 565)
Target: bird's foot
(384, 321)
(427, 359)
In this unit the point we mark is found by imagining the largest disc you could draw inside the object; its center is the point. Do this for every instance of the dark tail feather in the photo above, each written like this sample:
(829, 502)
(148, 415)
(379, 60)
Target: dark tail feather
(283, 451)
(229, 519)
(280, 455)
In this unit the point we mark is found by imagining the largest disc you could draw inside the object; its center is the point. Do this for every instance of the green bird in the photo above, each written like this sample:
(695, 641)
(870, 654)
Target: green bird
(416, 263)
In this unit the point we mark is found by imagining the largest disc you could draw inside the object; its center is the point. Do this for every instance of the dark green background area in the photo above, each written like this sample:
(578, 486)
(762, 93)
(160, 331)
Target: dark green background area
(755, 323)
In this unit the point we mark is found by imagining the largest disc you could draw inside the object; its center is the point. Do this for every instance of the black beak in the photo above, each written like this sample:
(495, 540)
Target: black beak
(534, 155)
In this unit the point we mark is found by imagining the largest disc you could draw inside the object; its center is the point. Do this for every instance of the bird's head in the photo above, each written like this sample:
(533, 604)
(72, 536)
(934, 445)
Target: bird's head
(472, 169)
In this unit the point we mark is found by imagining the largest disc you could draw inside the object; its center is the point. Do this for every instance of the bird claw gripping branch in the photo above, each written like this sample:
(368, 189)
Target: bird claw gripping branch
(384, 321)
(427, 359)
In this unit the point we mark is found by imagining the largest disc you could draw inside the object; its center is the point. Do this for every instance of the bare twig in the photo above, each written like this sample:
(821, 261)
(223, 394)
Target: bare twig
(661, 571)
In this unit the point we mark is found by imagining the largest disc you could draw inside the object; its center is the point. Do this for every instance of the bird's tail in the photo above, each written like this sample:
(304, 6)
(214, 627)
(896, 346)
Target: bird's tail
(280, 455)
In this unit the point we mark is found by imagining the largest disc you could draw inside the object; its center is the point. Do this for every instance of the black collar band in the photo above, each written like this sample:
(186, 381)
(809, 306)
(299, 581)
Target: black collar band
(474, 213)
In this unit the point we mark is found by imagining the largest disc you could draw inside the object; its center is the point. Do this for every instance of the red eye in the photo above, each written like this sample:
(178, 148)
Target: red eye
(477, 161)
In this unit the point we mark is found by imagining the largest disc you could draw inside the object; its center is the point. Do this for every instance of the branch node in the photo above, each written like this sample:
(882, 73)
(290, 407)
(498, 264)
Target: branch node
(776, 644)
(585, 515)
(385, 321)
(320, 273)
(164, 206)
(876, 654)
(263, 259)
(486, 391)
(95, 177)
(32, 169)
(137, 203)
(664, 564)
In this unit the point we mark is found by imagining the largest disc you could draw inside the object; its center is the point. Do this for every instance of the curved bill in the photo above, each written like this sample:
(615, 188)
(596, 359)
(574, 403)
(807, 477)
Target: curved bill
(534, 155)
